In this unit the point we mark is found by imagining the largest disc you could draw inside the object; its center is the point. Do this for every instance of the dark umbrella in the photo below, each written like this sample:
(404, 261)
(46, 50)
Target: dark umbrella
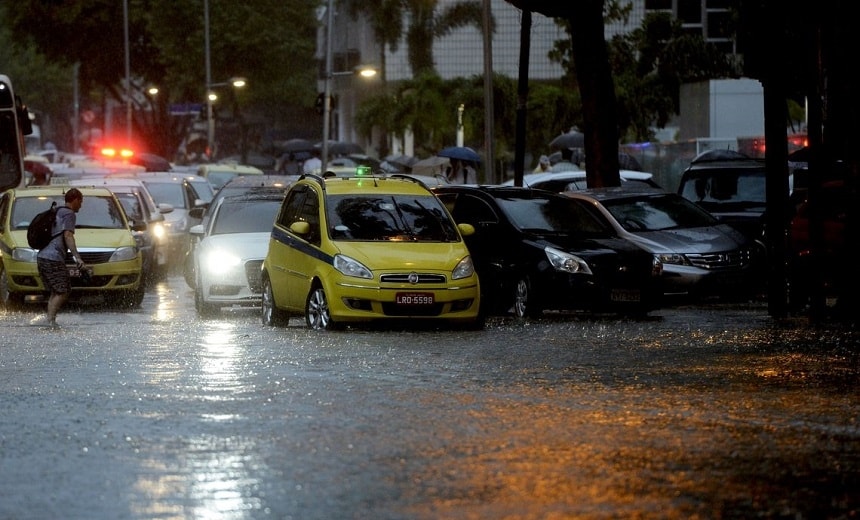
(341, 148)
(295, 145)
(463, 153)
(150, 161)
(572, 139)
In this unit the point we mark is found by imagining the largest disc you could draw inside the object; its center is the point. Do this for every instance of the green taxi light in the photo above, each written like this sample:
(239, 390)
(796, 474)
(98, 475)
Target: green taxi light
(362, 171)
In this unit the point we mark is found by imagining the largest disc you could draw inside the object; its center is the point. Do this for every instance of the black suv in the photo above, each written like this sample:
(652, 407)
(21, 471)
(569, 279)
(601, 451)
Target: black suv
(731, 186)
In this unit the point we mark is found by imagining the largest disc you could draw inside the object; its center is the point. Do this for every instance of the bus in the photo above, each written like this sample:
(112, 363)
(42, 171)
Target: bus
(14, 125)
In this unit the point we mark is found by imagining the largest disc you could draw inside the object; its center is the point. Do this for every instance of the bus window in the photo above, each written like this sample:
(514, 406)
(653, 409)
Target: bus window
(14, 124)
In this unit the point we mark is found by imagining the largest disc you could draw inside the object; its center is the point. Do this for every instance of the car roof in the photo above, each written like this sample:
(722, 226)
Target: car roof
(50, 190)
(497, 190)
(724, 159)
(260, 181)
(389, 184)
(614, 193)
(572, 175)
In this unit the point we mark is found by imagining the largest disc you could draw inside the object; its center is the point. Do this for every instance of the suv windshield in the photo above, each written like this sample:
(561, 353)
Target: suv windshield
(389, 217)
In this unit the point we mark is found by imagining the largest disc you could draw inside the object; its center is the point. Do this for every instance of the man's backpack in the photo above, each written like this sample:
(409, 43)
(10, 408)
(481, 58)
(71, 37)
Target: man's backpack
(40, 228)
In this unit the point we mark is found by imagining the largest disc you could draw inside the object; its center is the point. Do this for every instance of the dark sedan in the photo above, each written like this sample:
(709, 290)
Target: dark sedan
(535, 250)
(701, 255)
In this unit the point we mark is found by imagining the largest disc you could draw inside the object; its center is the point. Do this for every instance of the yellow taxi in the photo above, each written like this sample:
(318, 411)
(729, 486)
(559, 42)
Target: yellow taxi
(367, 248)
(103, 235)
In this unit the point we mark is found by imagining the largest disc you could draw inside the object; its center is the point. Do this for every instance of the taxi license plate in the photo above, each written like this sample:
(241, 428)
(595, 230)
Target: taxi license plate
(625, 295)
(74, 272)
(413, 298)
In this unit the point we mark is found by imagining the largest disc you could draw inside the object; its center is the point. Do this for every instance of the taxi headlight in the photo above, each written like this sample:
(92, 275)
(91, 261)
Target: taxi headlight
(24, 254)
(123, 254)
(566, 262)
(219, 261)
(351, 267)
(464, 269)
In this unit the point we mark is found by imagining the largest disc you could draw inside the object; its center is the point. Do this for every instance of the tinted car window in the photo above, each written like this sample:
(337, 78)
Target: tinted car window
(389, 217)
(551, 215)
(172, 193)
(656, 213)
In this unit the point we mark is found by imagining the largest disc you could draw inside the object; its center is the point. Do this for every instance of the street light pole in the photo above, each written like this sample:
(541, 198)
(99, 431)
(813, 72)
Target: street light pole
(327, 87)
(127, 73)
(210, 122)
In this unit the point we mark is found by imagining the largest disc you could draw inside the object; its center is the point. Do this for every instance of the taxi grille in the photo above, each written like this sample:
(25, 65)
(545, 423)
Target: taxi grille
(404, 278)
(97, 257)
(730, 259)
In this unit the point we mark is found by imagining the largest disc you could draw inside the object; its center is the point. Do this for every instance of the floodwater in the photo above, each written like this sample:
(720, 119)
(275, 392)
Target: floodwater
(697, 412)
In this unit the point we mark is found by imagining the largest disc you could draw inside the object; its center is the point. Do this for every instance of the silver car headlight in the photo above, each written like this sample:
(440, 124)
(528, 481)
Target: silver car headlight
(566, 262)
(673, 258)
(464, 269)
(24, 254)
(219, 261)
(351, 267)
(123, 254)
(158, 231)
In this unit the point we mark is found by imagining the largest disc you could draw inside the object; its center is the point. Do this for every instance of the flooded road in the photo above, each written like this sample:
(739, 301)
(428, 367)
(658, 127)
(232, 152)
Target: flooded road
(696, 412)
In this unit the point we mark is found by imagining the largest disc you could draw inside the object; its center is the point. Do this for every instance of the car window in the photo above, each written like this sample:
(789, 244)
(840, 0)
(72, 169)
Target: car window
(725, 186)
(167, 192)
(389, 217)
(292, 206)
(96, 212)
(469, 209)
(552, 215)
(310, 212)
(658, 213)
(247, 216)
(131, 204)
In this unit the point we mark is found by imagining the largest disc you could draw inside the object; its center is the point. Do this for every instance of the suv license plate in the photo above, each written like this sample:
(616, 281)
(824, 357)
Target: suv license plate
(413, 298)
(625, 295)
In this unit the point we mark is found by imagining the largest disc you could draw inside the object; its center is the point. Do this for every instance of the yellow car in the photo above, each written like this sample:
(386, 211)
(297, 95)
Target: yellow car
(359, 249)
(103, 235)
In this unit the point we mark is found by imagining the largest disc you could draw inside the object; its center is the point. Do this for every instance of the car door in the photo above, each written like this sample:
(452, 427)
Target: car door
(294, 257)
(489, 245)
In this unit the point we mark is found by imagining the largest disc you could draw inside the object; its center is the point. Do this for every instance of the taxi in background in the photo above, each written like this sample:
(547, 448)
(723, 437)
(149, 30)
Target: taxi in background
(103, 236)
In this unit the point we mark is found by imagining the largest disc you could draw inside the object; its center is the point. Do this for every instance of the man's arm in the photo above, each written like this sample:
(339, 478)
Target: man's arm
(69, 237)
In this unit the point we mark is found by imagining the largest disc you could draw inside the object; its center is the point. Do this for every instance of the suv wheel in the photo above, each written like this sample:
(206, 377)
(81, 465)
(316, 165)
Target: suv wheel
(272, 316)
(317, 313)
(524, 303)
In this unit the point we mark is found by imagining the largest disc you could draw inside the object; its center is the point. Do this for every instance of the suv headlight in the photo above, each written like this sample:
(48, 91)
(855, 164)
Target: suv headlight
(673, 258)
(566, 262)
(464, 269)
(24, 254)
(351, 267)
(123, 254)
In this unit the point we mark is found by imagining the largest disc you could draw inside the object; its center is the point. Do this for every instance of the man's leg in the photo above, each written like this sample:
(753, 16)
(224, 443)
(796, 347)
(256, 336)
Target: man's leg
(55, 302)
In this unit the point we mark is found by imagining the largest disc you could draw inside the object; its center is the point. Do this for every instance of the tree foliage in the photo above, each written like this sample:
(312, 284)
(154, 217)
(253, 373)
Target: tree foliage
(269, 42)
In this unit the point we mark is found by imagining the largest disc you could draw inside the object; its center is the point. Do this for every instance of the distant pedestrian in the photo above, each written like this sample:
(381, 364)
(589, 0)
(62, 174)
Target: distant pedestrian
(543, 165)
(51, 259)
(312, 165)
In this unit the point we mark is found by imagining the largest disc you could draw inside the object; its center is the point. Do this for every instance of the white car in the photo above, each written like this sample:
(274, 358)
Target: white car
(574, 180)
(229, 255)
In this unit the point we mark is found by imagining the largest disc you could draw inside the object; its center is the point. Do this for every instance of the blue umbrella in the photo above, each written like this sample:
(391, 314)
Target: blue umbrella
(463, 153)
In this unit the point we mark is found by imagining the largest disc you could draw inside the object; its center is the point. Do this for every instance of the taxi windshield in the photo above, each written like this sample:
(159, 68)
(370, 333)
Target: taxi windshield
(389, 218)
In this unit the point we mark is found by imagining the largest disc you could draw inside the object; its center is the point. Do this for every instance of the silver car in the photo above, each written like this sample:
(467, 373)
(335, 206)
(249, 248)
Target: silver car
(702, 257)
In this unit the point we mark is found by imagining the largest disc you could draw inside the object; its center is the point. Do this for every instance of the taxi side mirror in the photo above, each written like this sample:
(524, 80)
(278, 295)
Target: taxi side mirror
(300, 227)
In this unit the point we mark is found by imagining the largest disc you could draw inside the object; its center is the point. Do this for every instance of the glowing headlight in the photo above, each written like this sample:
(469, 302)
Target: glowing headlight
(158, 231)
(566, 262)
(351, 267)
(23, 254)
(464, 269)
(123, 254)
(219, 261)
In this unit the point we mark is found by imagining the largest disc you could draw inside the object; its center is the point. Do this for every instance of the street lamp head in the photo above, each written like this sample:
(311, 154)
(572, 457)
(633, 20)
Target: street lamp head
(366, 71)
(238, 82)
